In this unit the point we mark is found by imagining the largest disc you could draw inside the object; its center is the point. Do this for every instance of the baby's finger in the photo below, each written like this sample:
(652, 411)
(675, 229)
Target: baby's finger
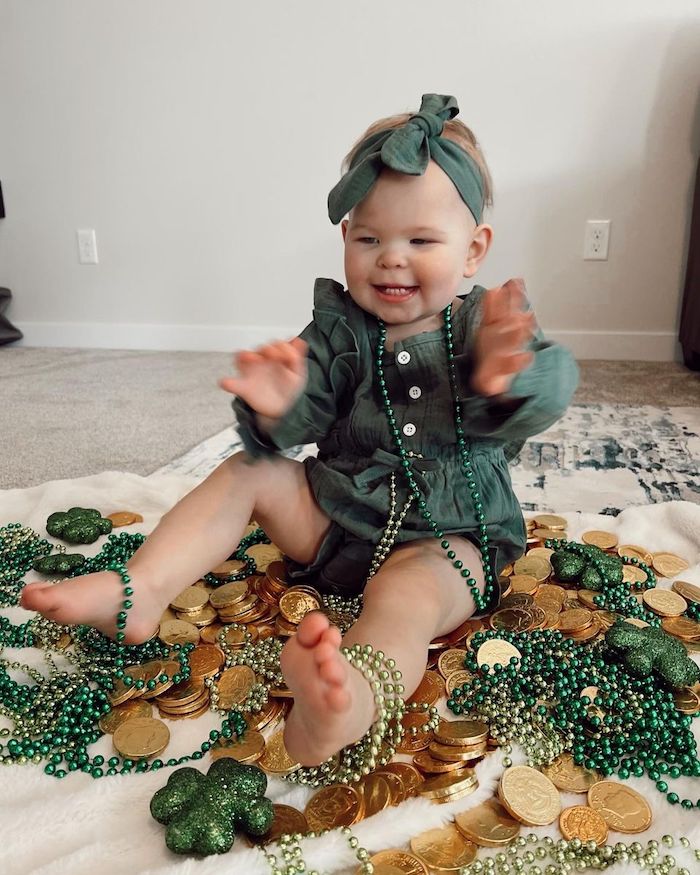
(514, 290)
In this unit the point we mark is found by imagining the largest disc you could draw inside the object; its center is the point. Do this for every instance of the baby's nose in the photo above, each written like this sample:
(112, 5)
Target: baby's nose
(391, 256)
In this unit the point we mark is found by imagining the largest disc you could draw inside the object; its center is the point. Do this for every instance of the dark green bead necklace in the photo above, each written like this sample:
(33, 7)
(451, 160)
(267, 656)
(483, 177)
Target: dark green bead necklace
(484, 601)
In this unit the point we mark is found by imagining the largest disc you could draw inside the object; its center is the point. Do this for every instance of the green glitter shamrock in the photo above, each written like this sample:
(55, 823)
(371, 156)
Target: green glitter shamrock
(79, 525)
(202, 812)
(648, 649)
(58, 563)
(577, 566)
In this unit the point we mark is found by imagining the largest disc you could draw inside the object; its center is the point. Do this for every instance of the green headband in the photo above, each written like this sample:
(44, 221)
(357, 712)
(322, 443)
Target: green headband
(408, 149)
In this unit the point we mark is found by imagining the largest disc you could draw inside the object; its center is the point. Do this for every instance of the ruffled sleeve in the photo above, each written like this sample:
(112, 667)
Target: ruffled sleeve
(333, 368)
(537, 397)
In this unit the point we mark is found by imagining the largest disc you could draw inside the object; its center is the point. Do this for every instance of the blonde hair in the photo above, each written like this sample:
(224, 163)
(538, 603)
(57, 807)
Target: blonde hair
(454, 130)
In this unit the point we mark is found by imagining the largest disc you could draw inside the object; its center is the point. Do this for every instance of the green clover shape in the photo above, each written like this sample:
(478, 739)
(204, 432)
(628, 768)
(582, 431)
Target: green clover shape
(58, 563)
(78, 525)
(650, 650)
(577, 566)
(203, 812)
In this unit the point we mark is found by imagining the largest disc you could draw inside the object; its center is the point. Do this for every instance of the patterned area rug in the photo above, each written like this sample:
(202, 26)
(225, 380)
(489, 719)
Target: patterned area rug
(599, 458)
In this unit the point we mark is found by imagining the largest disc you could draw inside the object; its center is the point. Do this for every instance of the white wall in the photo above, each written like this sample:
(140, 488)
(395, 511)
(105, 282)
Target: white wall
(200, 140)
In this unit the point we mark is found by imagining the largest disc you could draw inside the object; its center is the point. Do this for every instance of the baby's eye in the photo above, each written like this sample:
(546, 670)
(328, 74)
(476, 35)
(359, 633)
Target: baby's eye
(367, 239)
(420, 241)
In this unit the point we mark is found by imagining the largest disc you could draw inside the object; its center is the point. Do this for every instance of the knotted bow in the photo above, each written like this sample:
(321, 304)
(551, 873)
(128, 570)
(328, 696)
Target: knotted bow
(408, 149)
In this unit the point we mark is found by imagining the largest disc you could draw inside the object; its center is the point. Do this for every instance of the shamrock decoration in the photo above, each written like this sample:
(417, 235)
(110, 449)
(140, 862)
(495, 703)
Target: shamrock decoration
(79, 525)
(58, 563)
(202, 812)
(648, 649)
(574, 564)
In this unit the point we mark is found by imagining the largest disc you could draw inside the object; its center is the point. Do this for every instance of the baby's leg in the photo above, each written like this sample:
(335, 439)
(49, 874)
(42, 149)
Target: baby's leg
(199, 533)
(415, 596)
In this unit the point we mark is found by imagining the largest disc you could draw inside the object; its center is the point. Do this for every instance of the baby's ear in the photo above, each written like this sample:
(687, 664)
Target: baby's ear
(344, 228)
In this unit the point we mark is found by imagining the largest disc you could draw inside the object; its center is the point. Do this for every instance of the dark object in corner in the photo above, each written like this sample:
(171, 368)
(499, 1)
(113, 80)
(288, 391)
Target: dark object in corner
(8, 332)
(689, 334)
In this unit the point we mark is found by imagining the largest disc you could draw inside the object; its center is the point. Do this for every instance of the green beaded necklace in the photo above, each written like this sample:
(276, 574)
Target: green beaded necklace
(482, 602)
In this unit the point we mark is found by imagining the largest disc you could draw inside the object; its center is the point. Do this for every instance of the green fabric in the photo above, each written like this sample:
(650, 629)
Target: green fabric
(408, 149)
(342, 411)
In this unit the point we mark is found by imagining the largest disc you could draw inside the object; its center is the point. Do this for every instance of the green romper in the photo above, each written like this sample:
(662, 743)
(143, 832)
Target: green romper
(342, 411)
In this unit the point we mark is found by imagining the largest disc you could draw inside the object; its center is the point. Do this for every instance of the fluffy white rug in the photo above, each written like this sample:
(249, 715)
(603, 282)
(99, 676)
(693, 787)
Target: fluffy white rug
(78, 826)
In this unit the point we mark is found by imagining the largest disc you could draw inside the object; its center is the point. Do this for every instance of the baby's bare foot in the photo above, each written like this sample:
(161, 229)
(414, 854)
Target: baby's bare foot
(95, 600)
(333, 705)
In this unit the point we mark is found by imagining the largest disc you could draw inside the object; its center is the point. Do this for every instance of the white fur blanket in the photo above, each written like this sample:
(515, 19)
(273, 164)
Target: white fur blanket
(79, 826)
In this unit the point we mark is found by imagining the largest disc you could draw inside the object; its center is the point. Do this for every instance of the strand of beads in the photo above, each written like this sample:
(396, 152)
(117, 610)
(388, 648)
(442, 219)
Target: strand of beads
(341, 611)
(639, 731)
(292, 859)
(482, 601)
(19, 547)
(393, 526)
(378, 744)
(257, 536)
(538, 855)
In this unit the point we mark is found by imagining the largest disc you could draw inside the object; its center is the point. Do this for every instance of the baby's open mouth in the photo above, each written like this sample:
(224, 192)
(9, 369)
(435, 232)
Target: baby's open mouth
(396, 291)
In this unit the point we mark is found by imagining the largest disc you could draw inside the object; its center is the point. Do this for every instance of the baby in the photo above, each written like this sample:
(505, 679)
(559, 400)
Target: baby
(417, 397)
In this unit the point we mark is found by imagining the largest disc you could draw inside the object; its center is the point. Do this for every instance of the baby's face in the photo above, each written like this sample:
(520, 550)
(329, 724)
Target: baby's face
(408, 244)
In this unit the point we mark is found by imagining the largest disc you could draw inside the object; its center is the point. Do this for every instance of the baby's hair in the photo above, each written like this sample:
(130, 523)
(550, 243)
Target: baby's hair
(454, 130)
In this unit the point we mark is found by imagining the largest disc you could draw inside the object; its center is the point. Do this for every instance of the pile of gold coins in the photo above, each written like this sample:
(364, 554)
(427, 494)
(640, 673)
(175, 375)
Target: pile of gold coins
(437, 765)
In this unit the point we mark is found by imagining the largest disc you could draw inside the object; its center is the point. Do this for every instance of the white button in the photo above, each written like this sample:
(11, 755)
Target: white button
(403, 358)
(415, 392)
(409, 429)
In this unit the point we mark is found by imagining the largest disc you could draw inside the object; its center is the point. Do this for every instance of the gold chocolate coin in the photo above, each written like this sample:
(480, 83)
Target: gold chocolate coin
(227, 568)
(429, 690)
(287, 821)
(410, 777)
(444, 849)
(275, 759)
(488, 825)
(376, 793)
(205, 661)
(582, 822)
(295, 605)
(457, 679)
(461, 732)
(108, 723)
(633, 551)
(689, 591)
(603, 540)
(247, 750)
(687, 701)
(141, 738)
(124, 518)
(569, 777)
(511, 620)
(495, 651)
(529, 796)
(229, 594)
(550, 521)
(623, 809)
(665, 602)
(668, 564)
(535, 566)
(524, 583)
(334, 806)
(264, 555)
(234, 685)
(428, 764)
(575, 620)
(190, 600)
(448, 783)
(450, 661)
(178, 632)
(120, 693)
(681, 627)
(633, 574)
(395, 862)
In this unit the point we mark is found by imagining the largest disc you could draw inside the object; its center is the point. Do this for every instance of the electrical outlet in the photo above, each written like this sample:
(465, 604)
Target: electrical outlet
(87, 246)
(596, 240)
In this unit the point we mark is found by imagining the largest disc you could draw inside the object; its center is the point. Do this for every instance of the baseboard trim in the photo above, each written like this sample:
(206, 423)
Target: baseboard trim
(613, 345)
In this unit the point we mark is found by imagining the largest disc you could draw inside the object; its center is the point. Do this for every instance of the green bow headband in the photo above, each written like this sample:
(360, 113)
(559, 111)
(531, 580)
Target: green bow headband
(408, 149)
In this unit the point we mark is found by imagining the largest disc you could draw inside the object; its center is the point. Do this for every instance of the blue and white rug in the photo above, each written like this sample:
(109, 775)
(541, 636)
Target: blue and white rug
(598, 458)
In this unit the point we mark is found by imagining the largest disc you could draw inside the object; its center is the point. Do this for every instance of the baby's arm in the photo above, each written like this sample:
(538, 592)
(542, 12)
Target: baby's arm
(513, 388)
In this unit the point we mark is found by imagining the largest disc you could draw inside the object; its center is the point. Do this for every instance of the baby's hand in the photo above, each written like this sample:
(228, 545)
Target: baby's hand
(501, 338)
(271, 378)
